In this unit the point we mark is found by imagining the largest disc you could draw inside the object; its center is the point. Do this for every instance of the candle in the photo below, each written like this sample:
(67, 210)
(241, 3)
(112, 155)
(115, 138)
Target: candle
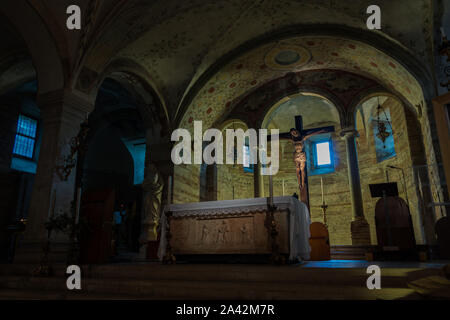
(271, 189)
(321, 186)
(283, 186)
(443, 32)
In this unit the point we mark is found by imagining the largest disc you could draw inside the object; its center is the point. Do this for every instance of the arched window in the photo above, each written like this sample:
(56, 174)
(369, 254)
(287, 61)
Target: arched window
(248, 166)
(321, 155)
(383, 135)
(25, 137)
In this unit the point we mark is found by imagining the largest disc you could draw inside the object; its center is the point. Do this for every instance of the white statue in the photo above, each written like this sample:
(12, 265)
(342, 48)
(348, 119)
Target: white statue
(152, 186)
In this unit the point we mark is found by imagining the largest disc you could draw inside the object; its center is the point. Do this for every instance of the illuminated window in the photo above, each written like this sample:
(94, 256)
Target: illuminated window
(25, 137)
(248, 167)
(384, 149)
(320, 154)
(323, 154)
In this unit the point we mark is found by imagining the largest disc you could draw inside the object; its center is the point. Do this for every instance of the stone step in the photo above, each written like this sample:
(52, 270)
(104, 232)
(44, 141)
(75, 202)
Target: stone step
(14, 294)
(394, 277)
(347, 256)
(349, 252)
(55, 288)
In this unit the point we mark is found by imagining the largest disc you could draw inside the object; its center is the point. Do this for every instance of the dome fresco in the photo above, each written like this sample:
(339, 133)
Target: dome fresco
(314, 110)
(249, 71)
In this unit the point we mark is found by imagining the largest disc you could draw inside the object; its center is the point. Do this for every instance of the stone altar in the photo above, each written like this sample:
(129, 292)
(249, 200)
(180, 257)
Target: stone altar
(236, 227)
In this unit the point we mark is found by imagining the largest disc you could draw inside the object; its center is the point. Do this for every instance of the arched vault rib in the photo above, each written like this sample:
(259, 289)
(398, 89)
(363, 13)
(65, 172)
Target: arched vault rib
(40, 43)
(250, 70)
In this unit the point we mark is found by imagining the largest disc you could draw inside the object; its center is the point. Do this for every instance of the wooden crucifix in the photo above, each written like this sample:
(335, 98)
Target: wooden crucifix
(298, 136)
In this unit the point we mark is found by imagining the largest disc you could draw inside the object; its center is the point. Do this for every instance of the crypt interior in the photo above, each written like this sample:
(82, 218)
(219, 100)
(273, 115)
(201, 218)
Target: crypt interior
(375, 101)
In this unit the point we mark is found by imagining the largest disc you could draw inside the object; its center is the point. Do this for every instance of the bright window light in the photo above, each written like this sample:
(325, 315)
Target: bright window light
(246, 156)
(25, 137)
(323, 153)
(248, 166)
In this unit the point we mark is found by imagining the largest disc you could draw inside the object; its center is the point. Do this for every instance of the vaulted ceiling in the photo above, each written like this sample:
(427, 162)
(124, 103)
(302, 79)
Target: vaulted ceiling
(182, 48)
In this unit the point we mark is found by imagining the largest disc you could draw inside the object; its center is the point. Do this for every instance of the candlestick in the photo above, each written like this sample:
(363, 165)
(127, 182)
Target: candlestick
(270, 189)
(321, 186)
(324, 210)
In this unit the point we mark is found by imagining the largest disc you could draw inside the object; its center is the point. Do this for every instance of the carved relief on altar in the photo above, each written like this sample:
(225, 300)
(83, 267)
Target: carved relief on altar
(226, 233)
(241, 234)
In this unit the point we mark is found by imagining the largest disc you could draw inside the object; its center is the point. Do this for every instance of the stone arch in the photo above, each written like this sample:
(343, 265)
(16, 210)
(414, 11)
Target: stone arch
(139, 83)
(380, 43)
(228, 122)
(365, 96)
(41, 45)
(231, 180)
(117, 114)
(304, 91)
(254, 105)
(122, 114)
(408, 167)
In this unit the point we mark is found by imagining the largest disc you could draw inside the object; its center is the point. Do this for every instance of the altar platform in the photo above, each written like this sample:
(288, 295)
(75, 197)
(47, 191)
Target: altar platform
(231, 228)
(336, 280)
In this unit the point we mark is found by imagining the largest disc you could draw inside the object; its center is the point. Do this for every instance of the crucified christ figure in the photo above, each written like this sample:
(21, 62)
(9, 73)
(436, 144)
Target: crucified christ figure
(300, 154)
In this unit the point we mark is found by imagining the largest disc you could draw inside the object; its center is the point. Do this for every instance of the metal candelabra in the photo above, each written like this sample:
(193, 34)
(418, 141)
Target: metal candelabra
(324, 210)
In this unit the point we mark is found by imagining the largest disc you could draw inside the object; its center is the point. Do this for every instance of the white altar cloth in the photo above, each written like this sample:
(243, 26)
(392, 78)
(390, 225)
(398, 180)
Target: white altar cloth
(299, 220)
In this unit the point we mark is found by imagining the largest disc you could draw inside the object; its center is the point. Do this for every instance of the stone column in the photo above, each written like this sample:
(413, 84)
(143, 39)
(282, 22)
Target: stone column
(359, 227)
(257, 180)
(152, 204)
(159, 168)
(61, 113)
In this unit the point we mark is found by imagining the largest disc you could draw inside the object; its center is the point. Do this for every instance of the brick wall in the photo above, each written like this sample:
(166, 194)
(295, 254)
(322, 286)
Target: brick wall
(186, 187)
(336, 190)
(234, 183)
(407, 147)
(411, 151)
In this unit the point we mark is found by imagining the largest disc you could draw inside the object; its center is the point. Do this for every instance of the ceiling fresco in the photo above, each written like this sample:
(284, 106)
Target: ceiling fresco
(177, 41)
(250, 71)
(316, 112)
(339, 87)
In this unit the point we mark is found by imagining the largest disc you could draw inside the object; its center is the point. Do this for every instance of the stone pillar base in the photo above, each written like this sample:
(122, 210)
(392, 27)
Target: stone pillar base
(152, 250)
(149, 251)
(360, 232)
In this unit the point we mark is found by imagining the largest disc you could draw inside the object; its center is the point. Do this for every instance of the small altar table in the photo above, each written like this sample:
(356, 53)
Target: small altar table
(236, 227)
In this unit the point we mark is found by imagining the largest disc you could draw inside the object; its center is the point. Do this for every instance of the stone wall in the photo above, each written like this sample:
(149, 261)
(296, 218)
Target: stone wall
(412, 151)
(186, 187)
(234, 183)
(336, 190)
(430, 139)
(407, 143)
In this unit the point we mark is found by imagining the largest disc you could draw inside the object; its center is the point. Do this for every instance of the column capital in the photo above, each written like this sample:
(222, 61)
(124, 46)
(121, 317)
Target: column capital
(64, 98)
(64, 105)
(349, 133)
